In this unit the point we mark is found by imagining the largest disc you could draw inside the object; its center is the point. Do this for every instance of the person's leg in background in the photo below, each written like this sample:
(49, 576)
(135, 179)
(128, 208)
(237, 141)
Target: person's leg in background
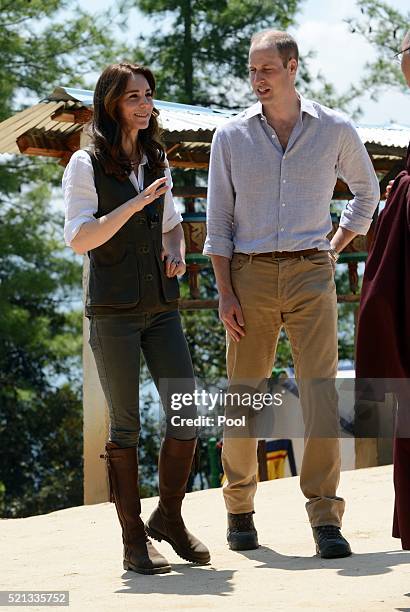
(115, 342)
(401, 464)
(167, 356)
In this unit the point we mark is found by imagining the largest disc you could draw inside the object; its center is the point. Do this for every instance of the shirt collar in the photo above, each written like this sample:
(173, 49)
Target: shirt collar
(306, 106)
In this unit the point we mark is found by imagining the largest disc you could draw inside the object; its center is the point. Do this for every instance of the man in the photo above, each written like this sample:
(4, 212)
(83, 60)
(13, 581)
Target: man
(272, 173)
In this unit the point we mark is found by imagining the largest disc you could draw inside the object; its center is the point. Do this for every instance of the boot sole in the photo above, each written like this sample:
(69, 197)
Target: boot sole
(159, 537)
(244, 544)
(334, 553)
(142, 570)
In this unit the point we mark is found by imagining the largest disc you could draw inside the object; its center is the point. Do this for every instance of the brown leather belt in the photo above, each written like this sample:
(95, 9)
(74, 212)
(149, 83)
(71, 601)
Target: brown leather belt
(286, 254)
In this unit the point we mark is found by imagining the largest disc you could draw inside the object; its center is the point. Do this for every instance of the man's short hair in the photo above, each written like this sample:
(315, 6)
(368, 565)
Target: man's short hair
(285, 44)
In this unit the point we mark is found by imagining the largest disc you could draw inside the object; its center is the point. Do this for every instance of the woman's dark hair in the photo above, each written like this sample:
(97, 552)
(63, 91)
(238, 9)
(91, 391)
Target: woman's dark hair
(105, 127)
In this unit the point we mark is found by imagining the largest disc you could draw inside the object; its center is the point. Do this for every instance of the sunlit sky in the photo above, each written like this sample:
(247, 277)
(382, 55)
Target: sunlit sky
(340, 55)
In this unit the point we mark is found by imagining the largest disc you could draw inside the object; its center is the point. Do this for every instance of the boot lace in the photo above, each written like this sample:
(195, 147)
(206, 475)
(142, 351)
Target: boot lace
(242, 522)
(328, 531)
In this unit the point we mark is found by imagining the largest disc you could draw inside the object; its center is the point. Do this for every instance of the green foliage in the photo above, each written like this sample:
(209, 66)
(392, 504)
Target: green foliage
(384, 27)
(346, 314)
(202, 54)
(40, 449)
(40, 361)
(43, 43)
(37, 279)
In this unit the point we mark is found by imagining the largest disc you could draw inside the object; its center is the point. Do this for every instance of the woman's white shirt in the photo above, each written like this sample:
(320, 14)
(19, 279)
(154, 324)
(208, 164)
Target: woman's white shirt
(81, 200)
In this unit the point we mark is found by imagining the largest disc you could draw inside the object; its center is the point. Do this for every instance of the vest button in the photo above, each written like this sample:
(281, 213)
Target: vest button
(148, 277)
(143, 249)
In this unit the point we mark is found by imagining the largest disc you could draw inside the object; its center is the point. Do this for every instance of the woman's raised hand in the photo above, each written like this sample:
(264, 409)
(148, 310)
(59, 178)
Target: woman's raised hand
(151, 193)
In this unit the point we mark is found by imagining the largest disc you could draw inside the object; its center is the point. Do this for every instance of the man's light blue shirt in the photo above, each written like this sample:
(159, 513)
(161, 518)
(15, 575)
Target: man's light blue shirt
(262, 199)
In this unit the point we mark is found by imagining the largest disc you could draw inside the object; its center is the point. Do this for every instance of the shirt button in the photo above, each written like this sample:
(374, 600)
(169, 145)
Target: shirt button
(282, 229)
(273, 136)
(284, 157)
(283, 204)
(284, 181)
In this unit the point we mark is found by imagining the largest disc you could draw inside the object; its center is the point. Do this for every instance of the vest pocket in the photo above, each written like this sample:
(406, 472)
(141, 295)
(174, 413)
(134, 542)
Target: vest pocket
(171, 288)
(115, 285)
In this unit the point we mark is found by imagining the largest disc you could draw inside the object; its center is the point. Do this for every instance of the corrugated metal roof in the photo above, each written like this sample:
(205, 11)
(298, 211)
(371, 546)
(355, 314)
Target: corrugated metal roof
(176, 117)
(181, 122)
(85, 96)
(386, 136)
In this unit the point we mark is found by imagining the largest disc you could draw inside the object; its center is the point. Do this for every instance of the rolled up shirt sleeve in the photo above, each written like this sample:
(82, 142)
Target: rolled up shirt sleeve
(221, 200)
(80, 195)
(171, 215)
(356, 169)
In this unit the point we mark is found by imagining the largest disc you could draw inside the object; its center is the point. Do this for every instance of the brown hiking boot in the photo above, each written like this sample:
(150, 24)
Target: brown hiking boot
(139, 553)
(166, 522)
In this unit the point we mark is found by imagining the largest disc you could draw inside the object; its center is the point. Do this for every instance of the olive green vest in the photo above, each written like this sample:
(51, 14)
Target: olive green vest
(126, 273)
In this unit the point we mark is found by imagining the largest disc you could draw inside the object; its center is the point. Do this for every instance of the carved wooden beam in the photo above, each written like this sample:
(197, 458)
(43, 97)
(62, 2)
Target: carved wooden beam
(190, 192)
(77, 115)
(173, 149)
(26, 146)
(393, 172)
(73, 142)
(198, 304)
(65, 159)
(213, 304)
(188, 164)
(193, 276)
(353, 276)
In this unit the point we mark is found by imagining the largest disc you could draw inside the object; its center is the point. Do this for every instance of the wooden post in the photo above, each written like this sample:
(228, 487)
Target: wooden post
(262, 466)
(95, 423)
(95, 416)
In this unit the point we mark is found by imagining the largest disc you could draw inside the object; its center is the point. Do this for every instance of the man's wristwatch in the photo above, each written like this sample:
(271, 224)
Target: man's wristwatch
(334, 254)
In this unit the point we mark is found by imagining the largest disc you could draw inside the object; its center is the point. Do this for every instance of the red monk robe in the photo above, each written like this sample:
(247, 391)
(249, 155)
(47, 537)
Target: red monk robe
(383, 335)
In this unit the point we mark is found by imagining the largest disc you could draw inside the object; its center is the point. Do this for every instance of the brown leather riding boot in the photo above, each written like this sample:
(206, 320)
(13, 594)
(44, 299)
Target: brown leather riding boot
(166, 523)
(139, 553)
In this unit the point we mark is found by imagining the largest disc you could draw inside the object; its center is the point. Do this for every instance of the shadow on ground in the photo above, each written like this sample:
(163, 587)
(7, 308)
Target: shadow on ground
(364, 564)
(196, 580)
(183, 580)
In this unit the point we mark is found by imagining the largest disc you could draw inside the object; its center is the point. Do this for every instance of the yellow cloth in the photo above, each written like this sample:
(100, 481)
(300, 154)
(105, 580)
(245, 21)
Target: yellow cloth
(275, 461)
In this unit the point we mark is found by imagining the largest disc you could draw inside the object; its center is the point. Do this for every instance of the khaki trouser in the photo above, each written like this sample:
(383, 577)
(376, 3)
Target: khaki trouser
(300, 295)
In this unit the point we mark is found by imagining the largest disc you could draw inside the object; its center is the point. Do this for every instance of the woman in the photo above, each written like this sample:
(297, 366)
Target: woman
(383, 335)
(119, 210)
